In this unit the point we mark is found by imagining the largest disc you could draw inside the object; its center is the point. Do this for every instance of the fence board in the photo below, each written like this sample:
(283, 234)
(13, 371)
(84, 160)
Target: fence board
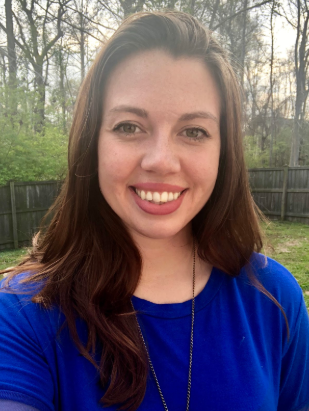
(5, 199)
(32, 200)
(284, 193)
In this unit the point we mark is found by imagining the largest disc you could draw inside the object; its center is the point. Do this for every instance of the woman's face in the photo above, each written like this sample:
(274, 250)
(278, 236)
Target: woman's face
(159, 144)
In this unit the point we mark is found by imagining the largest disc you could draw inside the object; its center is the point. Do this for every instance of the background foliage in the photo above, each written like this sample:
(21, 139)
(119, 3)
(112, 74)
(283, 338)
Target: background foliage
(46, 47)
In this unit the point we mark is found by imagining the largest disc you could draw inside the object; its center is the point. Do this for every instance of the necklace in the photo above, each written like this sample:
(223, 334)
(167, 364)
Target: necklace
(191, 346)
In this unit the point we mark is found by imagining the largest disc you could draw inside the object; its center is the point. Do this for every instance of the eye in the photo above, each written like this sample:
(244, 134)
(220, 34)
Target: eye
(126, 128)
(196, 133)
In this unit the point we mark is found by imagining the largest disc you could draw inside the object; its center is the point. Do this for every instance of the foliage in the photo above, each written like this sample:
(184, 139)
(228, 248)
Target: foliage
(11, 257)
(29, 156)
(46, 51)
(256, 157)
(253, 156)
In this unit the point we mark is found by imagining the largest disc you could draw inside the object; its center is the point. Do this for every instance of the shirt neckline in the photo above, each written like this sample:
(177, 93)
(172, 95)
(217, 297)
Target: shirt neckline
(178, 310)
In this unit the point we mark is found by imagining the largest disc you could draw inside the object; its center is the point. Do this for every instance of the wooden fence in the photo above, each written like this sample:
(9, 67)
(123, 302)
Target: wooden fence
(22, 207)
(281, 193)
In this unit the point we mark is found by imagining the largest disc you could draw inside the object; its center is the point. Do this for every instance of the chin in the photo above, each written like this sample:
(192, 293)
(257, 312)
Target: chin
(158, 231)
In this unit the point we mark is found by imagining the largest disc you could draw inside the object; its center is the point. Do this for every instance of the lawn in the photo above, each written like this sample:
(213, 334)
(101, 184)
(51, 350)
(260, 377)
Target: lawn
(288, 243)
(11, 258)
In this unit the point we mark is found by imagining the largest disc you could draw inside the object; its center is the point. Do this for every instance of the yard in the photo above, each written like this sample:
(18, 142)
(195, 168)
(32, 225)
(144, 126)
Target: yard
(286, 242)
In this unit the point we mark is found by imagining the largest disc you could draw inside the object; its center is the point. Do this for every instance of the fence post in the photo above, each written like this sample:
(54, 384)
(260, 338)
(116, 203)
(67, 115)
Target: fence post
(284, 191)
(14, 219)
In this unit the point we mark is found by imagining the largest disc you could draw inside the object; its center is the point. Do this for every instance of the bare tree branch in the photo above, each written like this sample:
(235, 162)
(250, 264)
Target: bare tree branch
(240, 12)
(73, 26)
(286, 18)
(213, 14)
(90, 20)
(111, 11)
(33, 30)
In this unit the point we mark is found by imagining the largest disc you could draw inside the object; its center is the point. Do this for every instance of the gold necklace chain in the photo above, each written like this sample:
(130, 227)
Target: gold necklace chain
(191, 346)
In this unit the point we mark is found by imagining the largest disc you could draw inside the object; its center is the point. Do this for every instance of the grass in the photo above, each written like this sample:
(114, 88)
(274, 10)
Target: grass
(12, 257)
(287, 242)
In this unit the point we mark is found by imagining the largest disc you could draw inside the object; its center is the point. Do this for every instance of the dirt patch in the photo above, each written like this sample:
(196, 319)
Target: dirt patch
(285, 247)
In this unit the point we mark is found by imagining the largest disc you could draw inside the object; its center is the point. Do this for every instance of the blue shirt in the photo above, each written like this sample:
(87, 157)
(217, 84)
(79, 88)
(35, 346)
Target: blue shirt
(242, 360)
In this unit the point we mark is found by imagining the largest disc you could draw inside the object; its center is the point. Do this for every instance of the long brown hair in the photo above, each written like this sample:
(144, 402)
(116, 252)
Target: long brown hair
(86, 259)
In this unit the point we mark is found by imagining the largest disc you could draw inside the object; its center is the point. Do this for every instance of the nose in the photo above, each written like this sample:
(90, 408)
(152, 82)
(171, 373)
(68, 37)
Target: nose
(161, 156)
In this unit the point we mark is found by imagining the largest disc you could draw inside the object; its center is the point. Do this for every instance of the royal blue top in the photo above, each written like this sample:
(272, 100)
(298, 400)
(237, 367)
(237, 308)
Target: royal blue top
(242, 359)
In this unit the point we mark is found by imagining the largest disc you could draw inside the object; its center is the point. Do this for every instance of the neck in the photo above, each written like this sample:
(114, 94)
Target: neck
(167, 271)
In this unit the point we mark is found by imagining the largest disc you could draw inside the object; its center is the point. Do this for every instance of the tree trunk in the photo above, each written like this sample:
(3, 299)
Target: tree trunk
(214, 14)
(300, 69)
(4, 89)
(272, 127)
(82, 43)
(62, 90)
(192, 7)
(243, 43)
(12, 59)
(39, 109)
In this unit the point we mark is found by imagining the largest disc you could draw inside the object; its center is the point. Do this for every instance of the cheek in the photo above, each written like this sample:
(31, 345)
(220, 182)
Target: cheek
(115, 165)
(205, 169)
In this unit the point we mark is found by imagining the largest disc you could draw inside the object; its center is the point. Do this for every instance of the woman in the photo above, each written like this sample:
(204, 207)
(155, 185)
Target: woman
(146, 289)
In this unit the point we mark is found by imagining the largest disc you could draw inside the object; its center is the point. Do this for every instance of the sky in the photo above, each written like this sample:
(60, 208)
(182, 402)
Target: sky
(284, 37)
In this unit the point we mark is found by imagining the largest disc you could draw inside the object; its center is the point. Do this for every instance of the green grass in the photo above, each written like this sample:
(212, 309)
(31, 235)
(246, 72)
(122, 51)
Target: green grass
(12, 257)
(287, 242)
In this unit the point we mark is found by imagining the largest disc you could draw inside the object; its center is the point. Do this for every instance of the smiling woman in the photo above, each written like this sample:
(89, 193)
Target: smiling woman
(146, 291)
(162, 140)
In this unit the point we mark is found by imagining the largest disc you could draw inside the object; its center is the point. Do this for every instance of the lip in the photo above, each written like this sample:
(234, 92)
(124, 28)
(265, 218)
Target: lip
(158, 187)
(157, 209)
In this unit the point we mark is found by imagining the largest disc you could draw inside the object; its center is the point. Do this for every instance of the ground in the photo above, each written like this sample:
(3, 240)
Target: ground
(286, 242)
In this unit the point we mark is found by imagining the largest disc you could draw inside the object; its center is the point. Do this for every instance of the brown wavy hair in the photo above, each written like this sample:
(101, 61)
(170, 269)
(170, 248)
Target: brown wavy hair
(86, 260)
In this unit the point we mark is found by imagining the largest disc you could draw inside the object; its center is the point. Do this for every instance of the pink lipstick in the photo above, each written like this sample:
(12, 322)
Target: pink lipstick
(158, 209)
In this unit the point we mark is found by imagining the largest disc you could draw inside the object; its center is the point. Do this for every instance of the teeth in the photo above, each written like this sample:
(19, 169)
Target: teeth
(157, 197)
(164, 197)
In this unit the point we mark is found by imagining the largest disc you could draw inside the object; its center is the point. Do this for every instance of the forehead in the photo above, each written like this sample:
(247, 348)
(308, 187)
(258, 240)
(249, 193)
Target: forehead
(157, 82)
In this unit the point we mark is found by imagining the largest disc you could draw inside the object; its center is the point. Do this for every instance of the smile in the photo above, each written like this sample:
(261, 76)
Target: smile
(157, 198)
(158, 202)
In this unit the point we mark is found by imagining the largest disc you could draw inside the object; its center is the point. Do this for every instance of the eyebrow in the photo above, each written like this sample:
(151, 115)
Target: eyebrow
(143, 113)
(129, 109)
(198, 114)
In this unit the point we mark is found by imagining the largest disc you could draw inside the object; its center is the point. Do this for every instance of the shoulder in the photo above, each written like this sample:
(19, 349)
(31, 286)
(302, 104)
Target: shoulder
(17, 310)
(274, 277)
(28, 341)
(264, 286)
(262, 277)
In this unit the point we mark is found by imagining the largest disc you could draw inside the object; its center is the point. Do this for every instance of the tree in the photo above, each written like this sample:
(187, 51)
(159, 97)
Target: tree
(38, 30)
(297, 16)
(11, 54)
(301, 56)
